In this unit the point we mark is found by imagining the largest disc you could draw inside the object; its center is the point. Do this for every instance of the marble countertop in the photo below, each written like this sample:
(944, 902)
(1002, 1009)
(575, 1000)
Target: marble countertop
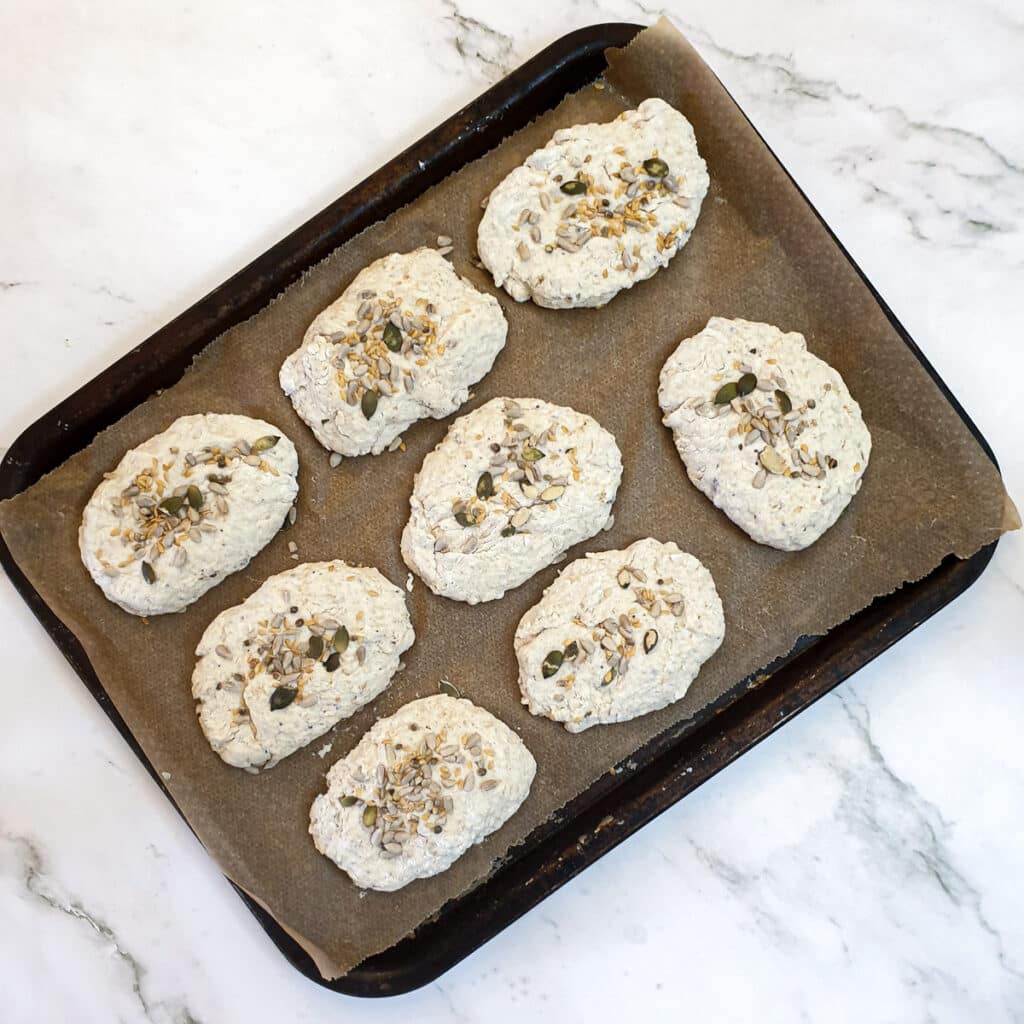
(863, 863)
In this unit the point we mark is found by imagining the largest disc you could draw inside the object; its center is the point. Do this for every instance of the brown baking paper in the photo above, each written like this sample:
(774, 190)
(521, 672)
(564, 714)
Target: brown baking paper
(758, 252)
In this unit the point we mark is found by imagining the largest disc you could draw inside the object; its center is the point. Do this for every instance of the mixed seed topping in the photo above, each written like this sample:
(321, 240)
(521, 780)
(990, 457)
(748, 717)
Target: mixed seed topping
(590, 208)
(289, 647)
(159, 520)
(769, 424)
(379, 353)
(527, 471)
(617, 641)
(414, 789)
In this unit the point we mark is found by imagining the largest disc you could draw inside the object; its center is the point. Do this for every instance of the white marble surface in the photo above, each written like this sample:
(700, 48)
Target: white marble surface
(864, 863)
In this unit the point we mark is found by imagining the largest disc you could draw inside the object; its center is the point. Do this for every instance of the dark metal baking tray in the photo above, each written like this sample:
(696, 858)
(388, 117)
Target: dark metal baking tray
(656, 776)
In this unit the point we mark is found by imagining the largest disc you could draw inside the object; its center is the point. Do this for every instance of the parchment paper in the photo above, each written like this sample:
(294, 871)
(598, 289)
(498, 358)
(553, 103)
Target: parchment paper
(757, 252)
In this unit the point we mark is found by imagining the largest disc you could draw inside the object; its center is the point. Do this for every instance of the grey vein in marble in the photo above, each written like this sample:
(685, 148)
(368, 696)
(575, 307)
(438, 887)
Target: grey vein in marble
(476, 41)
(40, 886)
(917, 840)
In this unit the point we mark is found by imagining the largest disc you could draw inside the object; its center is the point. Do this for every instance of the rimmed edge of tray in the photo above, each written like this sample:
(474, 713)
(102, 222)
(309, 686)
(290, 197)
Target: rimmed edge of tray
(658, 774)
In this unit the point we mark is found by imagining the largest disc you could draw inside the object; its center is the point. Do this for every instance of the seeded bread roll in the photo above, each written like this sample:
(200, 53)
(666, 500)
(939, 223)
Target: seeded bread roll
(404, 342)
(310, 647)
(418, 790)
(599, 208)
(618, 634)
(513, 485)
(766, 430)
(187, 508)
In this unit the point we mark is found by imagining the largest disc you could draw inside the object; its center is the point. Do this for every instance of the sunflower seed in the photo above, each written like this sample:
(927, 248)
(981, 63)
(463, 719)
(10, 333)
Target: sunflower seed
(520, 518)
(759, 478)
(771, 460)
(552, 493)
(488, 784)
(650, 640)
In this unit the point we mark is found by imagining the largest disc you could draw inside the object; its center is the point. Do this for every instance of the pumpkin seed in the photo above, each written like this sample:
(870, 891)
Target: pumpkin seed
(348, 801)
(265, 443)
(148, 573)
(532, 454)
(608, 677)
(370, 815)
(315, 647)
(656, 168)
(282, 697)
(650, 640)
(573, 188)
(448, 689)
(551, 664)
(746, 384)
(172, 504)
(726, 393)
(572, 651)
(332, 662)
(341, 640)
(465, 518)
(485, 486)
(772, 461)
(195, 496)
(785, 405)
(368, 403)
(508, 531)
(392, 337)
(624, 578)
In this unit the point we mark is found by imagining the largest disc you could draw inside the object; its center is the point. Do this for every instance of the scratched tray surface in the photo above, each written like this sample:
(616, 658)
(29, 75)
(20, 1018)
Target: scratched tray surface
(661, 772)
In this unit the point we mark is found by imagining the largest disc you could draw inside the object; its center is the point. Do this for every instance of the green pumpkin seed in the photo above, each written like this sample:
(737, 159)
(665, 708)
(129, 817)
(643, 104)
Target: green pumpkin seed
(785, 405)
(624, 578)
(392, 337)
(571, 651)
(508, 531)
(650, 640)
(332, 662)
(726, 393)
(315, 647)
(148, 573)
(746, 384)
(551, 664)
(172, 504)
(573, 188)
(608, 677)
(348, 801)
(282, 697)
(370, 815)
(341, 640)
(465, 519)
(195, 497)
(368, 404)
(448, 689)
(656, 168)
(264, 444)
(485, 486)
(532, 454)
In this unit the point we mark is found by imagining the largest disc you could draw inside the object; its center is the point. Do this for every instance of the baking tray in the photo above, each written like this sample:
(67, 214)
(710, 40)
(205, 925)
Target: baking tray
(657, 775)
